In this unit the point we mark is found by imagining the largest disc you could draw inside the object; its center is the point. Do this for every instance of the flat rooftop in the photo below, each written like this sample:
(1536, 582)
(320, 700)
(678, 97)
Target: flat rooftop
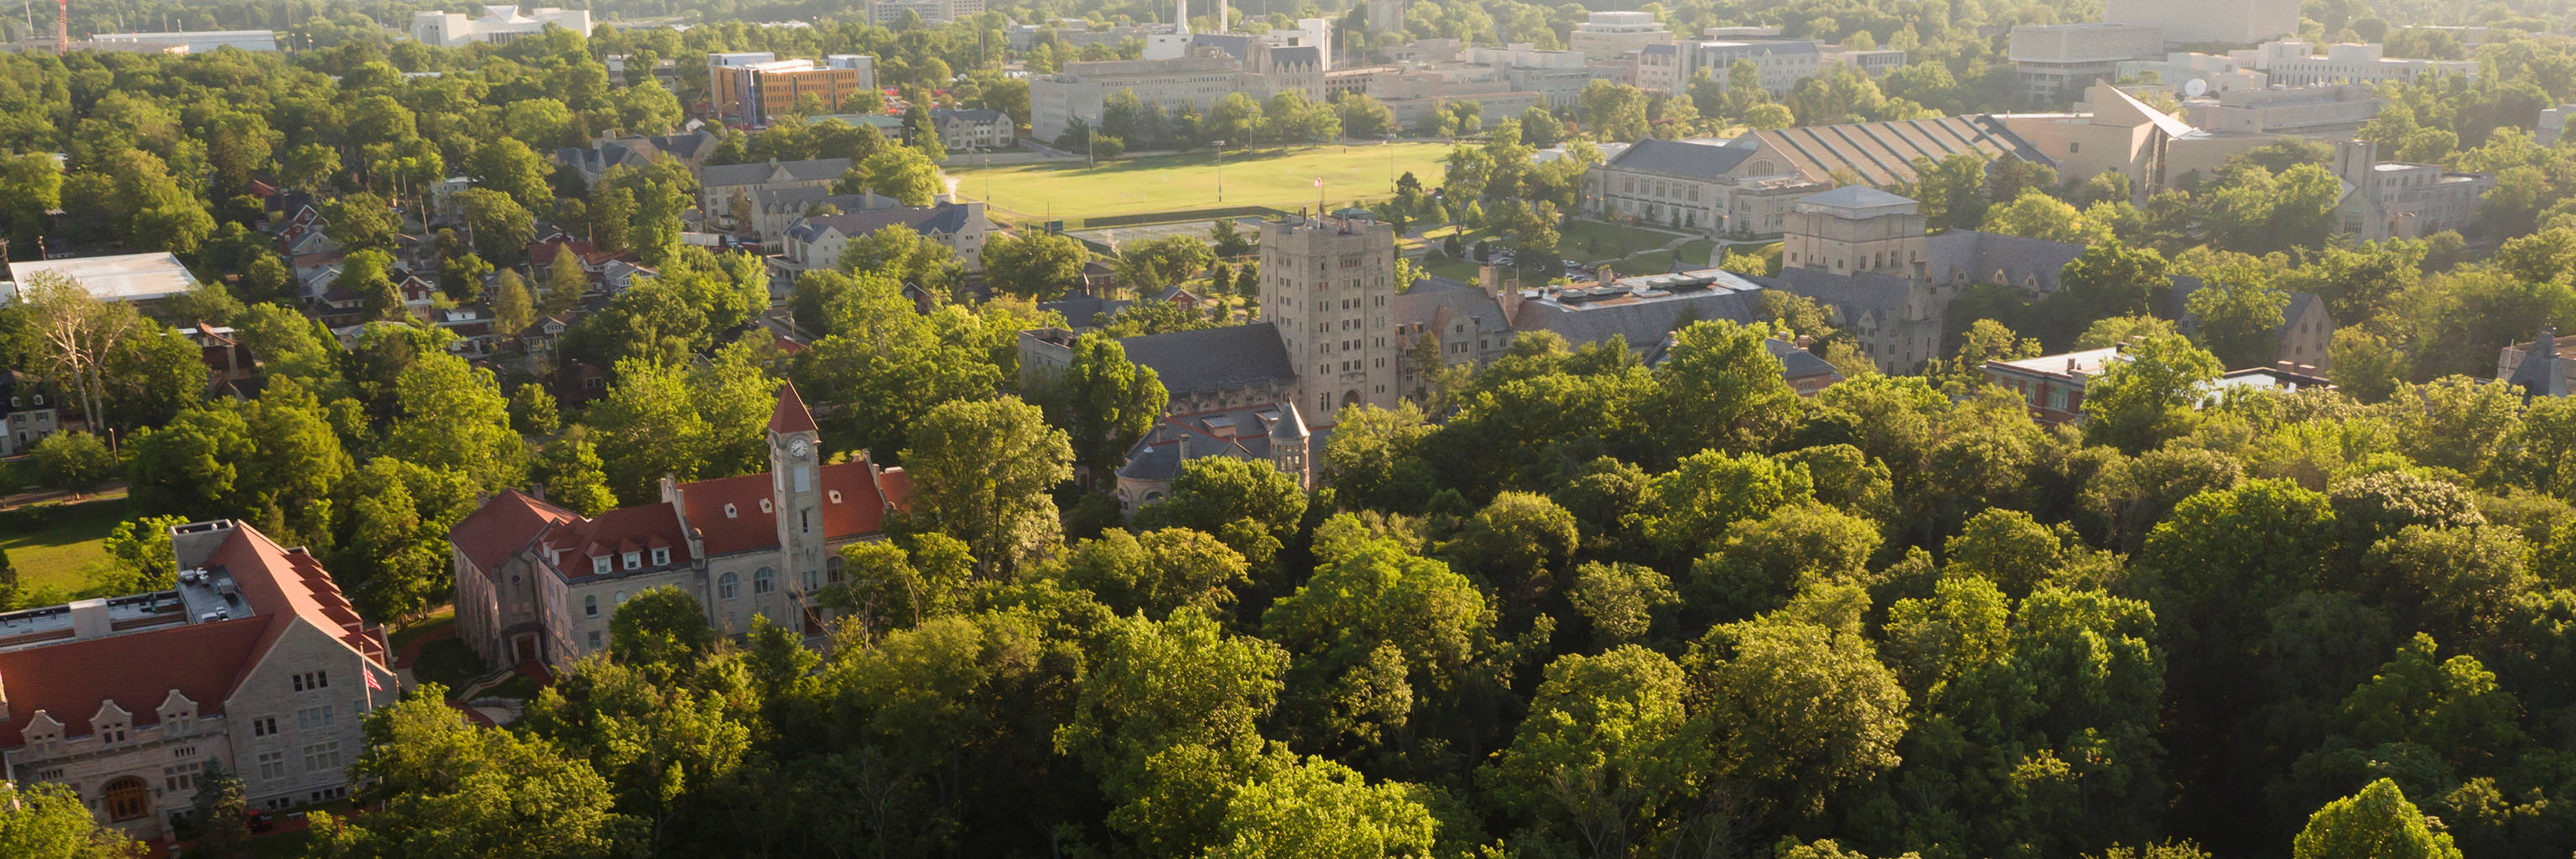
(1642, 289)
(202, 595)
(122, 277)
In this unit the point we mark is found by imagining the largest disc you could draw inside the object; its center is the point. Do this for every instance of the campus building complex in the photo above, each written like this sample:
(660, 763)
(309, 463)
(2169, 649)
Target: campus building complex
(497, 24)
(538, 583)
(254, 661)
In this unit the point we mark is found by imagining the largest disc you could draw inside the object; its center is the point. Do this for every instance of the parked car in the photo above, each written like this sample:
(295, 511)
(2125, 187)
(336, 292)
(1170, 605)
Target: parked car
(258, 820)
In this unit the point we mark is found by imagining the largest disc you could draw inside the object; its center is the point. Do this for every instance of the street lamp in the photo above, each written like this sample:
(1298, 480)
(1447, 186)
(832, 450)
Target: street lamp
(1220, 171)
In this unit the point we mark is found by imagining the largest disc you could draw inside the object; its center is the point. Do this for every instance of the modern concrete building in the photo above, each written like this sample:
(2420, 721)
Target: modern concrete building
(1080, 89)
(2194, 22)
(254, 661)
(751, 93)
(2395, 199)
(887, 13)
(497, 24)
(194, 41)
(2359, 64)
(1606, 35)
(2178, 71)
(2321, 112)
(2056, 61)
(2153, 148)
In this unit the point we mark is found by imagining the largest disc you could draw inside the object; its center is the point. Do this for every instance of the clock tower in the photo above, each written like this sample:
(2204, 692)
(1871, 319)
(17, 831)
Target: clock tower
(796, 489)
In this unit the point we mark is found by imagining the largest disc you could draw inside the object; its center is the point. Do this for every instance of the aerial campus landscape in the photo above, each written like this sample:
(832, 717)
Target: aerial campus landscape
(1125, 429)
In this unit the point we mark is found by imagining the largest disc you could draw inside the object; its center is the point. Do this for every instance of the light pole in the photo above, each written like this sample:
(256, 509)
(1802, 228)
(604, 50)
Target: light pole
(1091, 141)
(1220, 171)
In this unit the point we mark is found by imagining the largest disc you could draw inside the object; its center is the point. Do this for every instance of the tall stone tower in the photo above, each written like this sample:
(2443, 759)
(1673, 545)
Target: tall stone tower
(796, 489)
(1327, 283)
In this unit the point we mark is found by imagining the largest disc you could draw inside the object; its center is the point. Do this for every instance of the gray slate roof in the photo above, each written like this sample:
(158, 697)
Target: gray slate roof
(810, 170)
(1797, 363)
(1423, 304)
(1157, 456)
(1675, 158)
(1854, 196)
(1213, 358)
(942, 218)
(968, 114)
(1642, 324)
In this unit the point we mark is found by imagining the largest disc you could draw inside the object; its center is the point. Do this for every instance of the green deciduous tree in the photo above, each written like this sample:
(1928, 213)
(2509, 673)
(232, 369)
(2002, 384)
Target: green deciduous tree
(982, 471)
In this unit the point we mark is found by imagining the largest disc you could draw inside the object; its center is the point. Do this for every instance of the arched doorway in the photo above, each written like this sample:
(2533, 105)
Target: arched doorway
(1351, 397)
(128, 798)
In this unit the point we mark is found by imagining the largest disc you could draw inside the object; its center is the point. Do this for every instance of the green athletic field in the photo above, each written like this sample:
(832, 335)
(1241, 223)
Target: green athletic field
(1280, 178)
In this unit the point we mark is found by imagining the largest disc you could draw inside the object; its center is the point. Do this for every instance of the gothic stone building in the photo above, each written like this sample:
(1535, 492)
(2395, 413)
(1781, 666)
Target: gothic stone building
(254, 660)
(538, 583)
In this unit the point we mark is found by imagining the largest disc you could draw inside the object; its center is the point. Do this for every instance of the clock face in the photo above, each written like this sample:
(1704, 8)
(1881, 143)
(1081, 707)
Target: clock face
(798, 447)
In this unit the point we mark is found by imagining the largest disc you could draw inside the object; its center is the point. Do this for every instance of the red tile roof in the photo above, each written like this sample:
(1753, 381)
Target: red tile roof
(750, 527)
(504, 525)
(138, 670)
(859, 512)
(790, 414)
(205, 661)
(641, 528)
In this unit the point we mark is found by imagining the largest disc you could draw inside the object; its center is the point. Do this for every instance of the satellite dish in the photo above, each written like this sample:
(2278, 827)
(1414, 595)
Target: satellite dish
(2195, 88)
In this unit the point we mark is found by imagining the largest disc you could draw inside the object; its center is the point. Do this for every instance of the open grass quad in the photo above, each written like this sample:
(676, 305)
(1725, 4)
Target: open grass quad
(1279, 177)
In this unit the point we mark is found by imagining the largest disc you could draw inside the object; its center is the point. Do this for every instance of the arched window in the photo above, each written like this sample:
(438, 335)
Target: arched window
(832, 569)
(729, 586)
(128, 798)
(619, 598)
(764, 581)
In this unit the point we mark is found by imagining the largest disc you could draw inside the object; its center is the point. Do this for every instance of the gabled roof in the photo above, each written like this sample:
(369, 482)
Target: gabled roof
(789, 415)
(810, 170)
(1882, 153)
(1213, 358)
(859, 512)
(1679, 159)
(206, 661)
(503, 526)
(942, 218)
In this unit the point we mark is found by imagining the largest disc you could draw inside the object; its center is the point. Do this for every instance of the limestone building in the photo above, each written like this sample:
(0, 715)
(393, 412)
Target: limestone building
(497, 24)
(1605, 35)
(255, 661)
(538, 583)
(1327, 284)
(2358, 64)
(2056, 61)
(2398, 200)
(2187, 22)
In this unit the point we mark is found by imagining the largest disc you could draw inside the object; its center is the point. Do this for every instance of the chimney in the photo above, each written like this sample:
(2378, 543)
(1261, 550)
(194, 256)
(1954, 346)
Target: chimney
(89, 618)
(1606, 275)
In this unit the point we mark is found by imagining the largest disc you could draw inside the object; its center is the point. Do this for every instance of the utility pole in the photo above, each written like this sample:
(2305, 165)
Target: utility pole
(62, 26)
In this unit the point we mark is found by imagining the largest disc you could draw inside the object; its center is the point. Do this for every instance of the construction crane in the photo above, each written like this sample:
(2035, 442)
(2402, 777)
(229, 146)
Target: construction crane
(62, 26)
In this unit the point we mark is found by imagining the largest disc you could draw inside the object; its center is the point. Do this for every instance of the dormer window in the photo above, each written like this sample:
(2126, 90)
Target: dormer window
(764, 505)
(836, 496)
(599, 565)
(730, 512)
(661, 557)
(634, 560)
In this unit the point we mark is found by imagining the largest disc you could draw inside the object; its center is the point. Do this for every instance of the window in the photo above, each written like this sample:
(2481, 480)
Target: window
(264, 726)
(594, 639)
(181, 776)
(2074, 146)
(634, 560)
(590, 605)
(313, 717)
(661, 557)
(618, 598)
(729, 586)
(322, 756)
(832, 569)
(805, 521)
(764, 581)
(599, 565)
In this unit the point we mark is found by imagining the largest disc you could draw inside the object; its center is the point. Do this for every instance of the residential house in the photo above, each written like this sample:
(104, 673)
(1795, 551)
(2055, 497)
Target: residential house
(254, 661)
(817, 242)
(2539, 368)
(726, 192)
(773, 211)
(974, 129)
(637, 152)
(34, 412)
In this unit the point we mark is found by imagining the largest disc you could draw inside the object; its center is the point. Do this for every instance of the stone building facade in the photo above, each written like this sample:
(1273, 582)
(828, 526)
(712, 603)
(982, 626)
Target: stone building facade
(254, 661)
(538, 583)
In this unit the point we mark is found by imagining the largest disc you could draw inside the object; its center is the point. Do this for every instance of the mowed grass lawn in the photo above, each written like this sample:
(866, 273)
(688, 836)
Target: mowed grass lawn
(1279, 178)
(51, 554)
